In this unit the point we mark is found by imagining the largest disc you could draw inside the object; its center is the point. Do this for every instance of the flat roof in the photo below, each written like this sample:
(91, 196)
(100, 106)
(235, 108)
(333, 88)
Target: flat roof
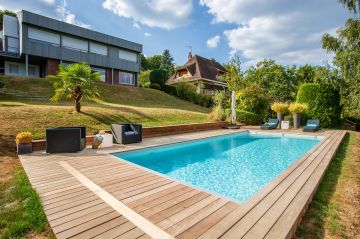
(60, 26)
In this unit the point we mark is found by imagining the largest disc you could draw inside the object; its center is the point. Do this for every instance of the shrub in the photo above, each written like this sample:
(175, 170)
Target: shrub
(170, 89)
(246, 117)
(217, 113)
(255, 100)
(144, 79)
(280, 108)
(24, 138)
(206, 100)
(185, 90)
(155, 86)
(298, 108)
(323, 102)
(159, 77)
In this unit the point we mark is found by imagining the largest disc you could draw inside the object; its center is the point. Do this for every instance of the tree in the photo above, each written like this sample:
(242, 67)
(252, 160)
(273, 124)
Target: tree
(167, 62)
(154, 62)
(145, 79)
(5, 12)
(347, 58)
(144, 63)
(75, 82)
(233, 76)
(352, 5)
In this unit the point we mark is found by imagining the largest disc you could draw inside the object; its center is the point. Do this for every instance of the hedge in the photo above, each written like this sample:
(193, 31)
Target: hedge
(323, 101)
(155, 86)
(2, 83)
(245, 117)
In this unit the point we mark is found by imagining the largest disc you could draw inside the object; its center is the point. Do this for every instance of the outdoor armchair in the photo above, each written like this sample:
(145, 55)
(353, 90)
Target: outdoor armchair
(65, 139)
(127, 133)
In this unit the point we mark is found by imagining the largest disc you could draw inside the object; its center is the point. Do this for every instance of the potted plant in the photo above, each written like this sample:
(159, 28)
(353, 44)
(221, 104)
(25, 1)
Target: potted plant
(280, 109)
(24, 143)
(297, 109)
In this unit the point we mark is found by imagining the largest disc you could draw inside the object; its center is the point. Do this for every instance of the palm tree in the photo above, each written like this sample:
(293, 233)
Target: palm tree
(75, 82)
(352, 5)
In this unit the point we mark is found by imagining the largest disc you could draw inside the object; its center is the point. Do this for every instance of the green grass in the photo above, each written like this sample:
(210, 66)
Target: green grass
(24, 106)
(21, 212)
(326, 215)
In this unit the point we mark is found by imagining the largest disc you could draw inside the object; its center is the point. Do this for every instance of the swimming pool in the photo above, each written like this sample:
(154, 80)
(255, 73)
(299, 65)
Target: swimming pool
(235, 166)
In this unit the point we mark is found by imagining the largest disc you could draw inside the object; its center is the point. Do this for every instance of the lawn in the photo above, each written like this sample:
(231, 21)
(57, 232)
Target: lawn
(25, 106)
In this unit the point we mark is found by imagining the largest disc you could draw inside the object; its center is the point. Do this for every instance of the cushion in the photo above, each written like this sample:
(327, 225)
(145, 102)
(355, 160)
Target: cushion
(129, 132)
(312, 125)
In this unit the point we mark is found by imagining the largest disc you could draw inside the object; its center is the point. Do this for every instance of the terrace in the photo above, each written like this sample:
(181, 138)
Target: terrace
(93, 194)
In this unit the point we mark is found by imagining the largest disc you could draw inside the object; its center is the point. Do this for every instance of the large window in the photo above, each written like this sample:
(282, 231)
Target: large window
(75, 43)
(127, 78)
(127, 55)
(43, 36)
(98, 48)
(102, 72)
(12, 44)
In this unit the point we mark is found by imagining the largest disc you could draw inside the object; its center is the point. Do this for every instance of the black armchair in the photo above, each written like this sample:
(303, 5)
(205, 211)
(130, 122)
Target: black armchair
(65, 139)
(127, 133)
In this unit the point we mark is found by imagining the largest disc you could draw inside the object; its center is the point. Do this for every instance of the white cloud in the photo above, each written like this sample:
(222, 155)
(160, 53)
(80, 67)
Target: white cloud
(213, 42)
(167, 14)
(136, 25)
(287, 31)
(48, 2)
(147, 34)
(67, 16)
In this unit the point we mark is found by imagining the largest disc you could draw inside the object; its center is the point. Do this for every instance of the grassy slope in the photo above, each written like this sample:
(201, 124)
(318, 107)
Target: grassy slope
(118, 104)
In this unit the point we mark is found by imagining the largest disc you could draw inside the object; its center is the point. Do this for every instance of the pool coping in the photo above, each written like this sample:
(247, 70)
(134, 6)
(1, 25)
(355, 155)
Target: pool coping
(221, 218)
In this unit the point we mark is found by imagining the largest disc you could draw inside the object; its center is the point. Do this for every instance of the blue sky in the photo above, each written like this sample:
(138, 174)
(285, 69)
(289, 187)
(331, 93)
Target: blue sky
(284, 30)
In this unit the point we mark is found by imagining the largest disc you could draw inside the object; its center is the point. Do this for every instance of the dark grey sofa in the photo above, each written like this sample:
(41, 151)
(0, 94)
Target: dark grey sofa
(127, 133)
(271, 124)
(65, 139)
(312, 126)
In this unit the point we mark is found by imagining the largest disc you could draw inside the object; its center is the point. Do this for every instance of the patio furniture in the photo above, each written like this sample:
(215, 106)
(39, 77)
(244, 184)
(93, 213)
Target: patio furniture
(65, 139)
(127, 133)
(312, 126)
(271, 124)
(285, 124)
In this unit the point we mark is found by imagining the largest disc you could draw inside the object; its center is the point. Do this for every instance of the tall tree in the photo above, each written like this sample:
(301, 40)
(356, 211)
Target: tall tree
(352, 5)
(75, 82)
(167, 62)
(5, 12)
(154, 62)
(234, 76)
(346, 46)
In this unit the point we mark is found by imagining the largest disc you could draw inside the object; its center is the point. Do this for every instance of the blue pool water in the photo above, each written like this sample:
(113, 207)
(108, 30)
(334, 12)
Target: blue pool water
(235, 166)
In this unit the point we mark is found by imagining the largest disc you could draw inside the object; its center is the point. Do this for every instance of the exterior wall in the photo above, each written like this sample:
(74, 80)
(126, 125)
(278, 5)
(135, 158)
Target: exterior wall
(116, 77)
(108, 76)
(52, 66)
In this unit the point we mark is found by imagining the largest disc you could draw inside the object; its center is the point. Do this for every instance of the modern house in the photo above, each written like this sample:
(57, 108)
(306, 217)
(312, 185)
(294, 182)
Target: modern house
(201, 72)
(35, 45)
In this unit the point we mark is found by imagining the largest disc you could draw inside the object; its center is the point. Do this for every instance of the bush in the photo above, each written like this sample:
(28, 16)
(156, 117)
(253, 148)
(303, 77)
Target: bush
(323, 102)
(255, 100)
(24, 138)
(144, 79)
(206, 100)
(159, 77)
(170, 89)
(246, 117)
(217, 113)
(155, 86)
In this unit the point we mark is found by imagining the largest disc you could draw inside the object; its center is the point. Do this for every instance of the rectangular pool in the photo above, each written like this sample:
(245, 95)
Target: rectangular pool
(235, 166)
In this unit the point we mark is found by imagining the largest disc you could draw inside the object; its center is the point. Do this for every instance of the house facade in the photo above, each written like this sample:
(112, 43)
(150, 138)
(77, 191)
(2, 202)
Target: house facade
(33, 45)
(201, 72)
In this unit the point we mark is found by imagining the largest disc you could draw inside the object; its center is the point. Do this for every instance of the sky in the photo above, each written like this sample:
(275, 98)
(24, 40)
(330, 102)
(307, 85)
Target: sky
(287, 31)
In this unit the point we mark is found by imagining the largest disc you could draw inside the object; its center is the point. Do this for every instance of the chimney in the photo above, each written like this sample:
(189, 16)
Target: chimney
(189, 56)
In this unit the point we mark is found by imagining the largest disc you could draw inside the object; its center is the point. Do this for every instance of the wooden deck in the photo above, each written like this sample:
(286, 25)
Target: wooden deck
(91, 194)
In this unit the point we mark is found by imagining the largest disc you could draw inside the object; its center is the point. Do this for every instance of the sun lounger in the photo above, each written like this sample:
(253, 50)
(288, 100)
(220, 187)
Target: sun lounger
(271, 124)
(312, 126)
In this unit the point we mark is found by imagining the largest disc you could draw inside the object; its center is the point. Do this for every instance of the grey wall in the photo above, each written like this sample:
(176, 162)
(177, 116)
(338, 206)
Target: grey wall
(44, 50)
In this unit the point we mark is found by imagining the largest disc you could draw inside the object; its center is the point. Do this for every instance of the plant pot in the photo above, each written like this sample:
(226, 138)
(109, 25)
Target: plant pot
(24, 148)
(280, 117)
(297, 118)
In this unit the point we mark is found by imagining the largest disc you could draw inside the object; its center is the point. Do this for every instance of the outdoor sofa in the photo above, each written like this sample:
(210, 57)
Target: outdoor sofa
(271, 124)
(312, 126)
(127, 133)
(65, 139)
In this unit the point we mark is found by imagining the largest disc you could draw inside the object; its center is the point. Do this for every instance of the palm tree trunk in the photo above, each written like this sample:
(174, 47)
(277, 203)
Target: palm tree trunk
(78, 95)
(77, 106)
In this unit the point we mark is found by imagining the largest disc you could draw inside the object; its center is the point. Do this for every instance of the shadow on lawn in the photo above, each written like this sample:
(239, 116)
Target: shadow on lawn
(313, 222)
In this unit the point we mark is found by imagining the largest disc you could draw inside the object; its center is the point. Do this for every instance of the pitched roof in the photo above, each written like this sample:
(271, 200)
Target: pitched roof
(200, 67)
